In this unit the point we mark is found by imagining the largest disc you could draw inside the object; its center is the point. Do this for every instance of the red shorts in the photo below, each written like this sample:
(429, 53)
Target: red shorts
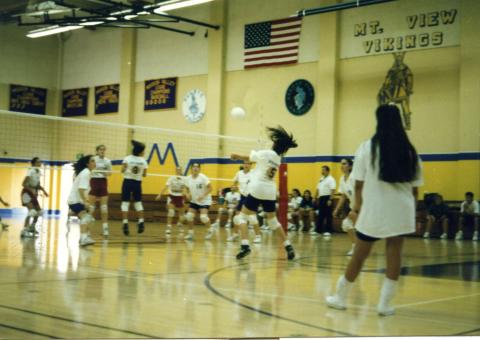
(177, 201)
(28, 198)
(98, 187)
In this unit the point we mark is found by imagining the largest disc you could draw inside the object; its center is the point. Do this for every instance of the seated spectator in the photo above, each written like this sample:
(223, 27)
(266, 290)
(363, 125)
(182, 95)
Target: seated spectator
(294, 202)
(469, 215)
(437, 212)
(307, 210)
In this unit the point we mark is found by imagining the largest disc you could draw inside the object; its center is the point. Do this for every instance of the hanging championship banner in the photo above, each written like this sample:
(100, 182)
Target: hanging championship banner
(107, 98)
(160, 94)
(398, 26)
(28, 99)
(75, 102)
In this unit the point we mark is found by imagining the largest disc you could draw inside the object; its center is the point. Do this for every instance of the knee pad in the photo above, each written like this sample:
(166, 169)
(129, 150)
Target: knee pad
(347, 224)
(138, 206)
(189, 216)
(253, 220)
(273, 223)
(104, 208)
(171, 213)
(240, 219)
(32, 213)
(125, 206)
(230, 211)
(86, 219)
(204, 218)
(220, 211)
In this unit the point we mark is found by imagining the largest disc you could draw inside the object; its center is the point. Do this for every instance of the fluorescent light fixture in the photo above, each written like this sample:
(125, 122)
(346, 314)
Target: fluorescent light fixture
(112, 19)
(51, 30)
(130, 16)
(179, 4)
(143, 13)
(91, 23)
(125, 11)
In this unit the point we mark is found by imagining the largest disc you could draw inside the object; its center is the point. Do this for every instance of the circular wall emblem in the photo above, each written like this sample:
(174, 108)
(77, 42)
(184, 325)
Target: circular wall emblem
(299, 97)
(193, 105)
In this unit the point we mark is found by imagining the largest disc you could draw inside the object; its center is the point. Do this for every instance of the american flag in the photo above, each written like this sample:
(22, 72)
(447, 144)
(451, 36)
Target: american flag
(272, 42)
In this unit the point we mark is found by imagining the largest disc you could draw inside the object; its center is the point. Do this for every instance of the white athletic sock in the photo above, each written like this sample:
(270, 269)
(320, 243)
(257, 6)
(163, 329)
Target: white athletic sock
(245, 243)
(125, 220)
(141, 220)
(388, 291)
(343, 287)
(105, 225)
(286, 243)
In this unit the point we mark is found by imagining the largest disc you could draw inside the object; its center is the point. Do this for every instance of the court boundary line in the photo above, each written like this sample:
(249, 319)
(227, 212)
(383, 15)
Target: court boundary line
(260, 311)
(78, 322)
(467, 332)
(28, 331)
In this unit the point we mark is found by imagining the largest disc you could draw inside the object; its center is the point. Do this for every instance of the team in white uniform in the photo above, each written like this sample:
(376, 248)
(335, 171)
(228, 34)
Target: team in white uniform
(230, 203)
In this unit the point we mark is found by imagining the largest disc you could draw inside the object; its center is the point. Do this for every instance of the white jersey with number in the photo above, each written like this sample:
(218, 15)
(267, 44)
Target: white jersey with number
(175, 185)
(243, 178)
(262, 181)
(135, 167)
(82, 181)
(232, 199)
(33, 175)
(103, 165)
(198, 188)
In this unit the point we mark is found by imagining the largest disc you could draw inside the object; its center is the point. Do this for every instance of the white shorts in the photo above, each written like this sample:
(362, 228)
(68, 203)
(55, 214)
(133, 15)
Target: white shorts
(347, 224)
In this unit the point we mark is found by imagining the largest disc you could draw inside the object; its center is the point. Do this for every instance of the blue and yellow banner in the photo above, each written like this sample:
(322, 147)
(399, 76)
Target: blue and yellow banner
(75, 102)
(161, 94)
(107, 98)
(28, 99)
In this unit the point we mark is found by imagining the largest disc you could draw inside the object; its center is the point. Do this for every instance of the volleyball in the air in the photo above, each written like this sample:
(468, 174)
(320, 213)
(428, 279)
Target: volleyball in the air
(238, 112)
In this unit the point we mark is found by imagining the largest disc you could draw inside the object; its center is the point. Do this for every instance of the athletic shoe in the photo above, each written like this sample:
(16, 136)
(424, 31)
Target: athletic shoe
(385, 310)
(291, 227)
(313, 232)
(105, 231)
(443, 236)
(209, 233)
(350, 252)
(258, 239)
(265, 227)
(290, 252)
(334, 301)
(232, 238)
(426, 235)
(327, 234)
(228, 225)
(85, 241)
(216, 224)
(168, 231)
(141, 227)
(459, 236)
(188, 237)
(475, 236)
(244, 251)
(126, 232)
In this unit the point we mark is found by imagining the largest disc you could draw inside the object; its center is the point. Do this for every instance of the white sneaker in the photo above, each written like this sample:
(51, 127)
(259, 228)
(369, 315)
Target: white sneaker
(209, 233)
(188, 237)
(443, 236)
(327, 234)
(385, 310)
(105, 231)
(313, 232)
(168, 231)
(264, 227)
(291, 227)
(334, 301)
(258, 239)
(228, 225)
(85, 241)
(232, 238)
(475, 236)
(459, 236)
(215, 225)
(426, 235)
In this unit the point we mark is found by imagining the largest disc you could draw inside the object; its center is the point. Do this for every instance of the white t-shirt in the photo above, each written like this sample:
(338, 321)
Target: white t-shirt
(326, 185)
(295, 202)
(175, 185)
(135, 167)
(102, 165)
(198, 187)
(347, 187)
(82, 181)
(232, 199)
(34, 175)
(473, 208)
(243, 178)
(262, 180)
(388, 209)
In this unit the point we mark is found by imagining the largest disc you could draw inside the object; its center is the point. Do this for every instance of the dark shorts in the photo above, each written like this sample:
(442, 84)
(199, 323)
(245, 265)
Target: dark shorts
(241, 203)
(98, 187)
(197, 206)
(366, 238)
(252, 203)
(77, 208)
(27, 198)
(468, 219)
(131, 187)
(177, 201)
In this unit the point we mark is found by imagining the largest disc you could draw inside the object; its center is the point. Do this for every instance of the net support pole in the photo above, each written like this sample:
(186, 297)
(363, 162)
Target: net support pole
(283, 200)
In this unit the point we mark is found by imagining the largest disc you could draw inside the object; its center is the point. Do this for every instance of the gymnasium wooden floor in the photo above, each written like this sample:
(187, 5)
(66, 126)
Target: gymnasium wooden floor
(148, 286)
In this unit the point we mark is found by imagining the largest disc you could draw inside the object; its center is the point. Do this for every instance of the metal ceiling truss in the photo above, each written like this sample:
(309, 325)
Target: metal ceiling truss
(117, 13)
